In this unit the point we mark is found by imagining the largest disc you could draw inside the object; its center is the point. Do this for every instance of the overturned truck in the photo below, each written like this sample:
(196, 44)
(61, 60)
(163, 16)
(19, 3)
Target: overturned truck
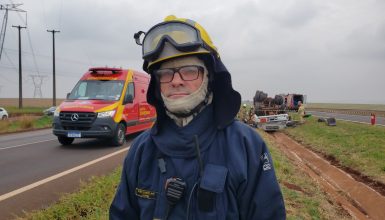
(271, 113)
(280, 104)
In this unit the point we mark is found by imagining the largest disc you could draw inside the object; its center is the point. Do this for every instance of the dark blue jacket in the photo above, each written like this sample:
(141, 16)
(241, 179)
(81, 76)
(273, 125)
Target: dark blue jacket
(237, 179)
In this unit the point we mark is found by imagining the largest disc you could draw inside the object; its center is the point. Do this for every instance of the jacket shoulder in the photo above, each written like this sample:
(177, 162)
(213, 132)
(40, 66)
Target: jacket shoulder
(139, 145)
(242, 130)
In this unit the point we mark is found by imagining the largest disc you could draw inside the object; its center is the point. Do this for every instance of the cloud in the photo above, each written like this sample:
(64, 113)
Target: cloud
(365, 42)
(313, 47)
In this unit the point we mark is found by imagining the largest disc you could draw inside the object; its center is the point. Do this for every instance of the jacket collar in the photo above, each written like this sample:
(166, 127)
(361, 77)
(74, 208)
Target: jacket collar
(179, 142)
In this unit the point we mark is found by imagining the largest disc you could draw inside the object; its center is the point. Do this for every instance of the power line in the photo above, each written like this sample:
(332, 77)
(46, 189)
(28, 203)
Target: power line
(60, 13)
(48, 56)
(6, 7)
(9, 59)
(33, 53)
(29, 39)
(62, 74)
(21, 18)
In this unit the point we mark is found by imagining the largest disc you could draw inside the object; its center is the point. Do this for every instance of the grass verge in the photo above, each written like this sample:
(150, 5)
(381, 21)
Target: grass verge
(24, 123)
(357, 146)
(24, 110)
(91, 202)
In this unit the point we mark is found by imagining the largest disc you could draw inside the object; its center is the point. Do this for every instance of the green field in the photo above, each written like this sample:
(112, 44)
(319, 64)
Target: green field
(358, 146)
(347, 106)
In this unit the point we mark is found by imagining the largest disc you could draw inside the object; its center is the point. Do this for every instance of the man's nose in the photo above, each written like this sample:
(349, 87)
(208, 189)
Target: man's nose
(177, 80)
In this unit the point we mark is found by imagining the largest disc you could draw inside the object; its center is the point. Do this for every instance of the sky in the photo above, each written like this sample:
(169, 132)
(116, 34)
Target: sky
(333, 51)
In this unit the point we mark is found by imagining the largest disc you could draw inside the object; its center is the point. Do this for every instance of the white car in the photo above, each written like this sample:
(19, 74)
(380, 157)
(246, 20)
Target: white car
(271, 122)
(50, 110)
(3, 114)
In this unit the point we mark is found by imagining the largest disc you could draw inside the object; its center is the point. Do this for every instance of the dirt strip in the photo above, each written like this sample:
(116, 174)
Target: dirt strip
(361, 201)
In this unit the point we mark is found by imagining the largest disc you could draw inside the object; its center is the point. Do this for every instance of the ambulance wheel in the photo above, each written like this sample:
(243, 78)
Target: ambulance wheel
(65, 140)
(120, 135)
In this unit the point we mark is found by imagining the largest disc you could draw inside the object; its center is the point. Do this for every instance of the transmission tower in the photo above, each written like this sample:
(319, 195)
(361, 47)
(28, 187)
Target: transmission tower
(37, 82)
(6, 7)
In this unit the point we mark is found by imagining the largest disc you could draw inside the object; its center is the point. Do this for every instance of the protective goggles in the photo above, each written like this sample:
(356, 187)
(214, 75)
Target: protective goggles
(184, 37)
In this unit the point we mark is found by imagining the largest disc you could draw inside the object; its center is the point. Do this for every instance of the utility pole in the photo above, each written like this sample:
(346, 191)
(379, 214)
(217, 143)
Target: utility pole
(20, 70)
(53, 71)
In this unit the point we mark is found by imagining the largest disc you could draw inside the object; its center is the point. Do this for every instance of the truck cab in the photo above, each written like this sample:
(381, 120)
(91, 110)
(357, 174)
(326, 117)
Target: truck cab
(107, 103)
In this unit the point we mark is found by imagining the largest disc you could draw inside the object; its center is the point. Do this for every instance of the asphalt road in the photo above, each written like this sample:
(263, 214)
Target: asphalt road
(380, 121)
(35, 169)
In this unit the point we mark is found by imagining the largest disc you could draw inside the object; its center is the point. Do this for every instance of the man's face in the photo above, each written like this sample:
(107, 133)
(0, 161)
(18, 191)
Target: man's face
(179, 88)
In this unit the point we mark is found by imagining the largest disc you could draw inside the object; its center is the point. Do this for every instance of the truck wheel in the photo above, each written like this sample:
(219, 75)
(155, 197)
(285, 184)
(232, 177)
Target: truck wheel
(257, 96)
(120, 135)
(278, 100)
(65, 140)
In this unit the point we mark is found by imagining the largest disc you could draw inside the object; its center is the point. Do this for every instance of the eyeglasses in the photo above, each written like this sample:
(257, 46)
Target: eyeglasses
(187, 73)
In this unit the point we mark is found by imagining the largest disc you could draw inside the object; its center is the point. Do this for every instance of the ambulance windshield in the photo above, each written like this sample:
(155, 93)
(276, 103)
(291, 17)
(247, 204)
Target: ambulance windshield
(110, 90)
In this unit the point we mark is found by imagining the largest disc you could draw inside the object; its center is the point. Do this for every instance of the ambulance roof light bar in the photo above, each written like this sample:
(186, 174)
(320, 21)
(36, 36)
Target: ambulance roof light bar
(105, 70)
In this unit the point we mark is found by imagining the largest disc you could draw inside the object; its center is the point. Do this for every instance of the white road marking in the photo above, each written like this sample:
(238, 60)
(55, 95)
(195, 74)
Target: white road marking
(360, 122)
(21, 145)
(351, 120)
(51, 178)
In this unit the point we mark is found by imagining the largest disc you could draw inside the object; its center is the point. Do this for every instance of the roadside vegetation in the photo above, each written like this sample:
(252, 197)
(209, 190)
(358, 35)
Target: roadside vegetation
(25, 123)
(91, 202)
(360, 147)
(303, 198)
(13, 110)
(24, 119)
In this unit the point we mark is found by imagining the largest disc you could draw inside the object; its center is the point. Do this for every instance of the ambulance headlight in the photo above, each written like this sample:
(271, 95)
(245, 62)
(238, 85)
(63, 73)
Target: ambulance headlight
(56, 113)
(107, 114)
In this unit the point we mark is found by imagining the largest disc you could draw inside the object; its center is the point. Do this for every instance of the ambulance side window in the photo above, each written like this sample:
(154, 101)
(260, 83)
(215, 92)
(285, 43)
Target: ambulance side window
(81, 91)
(129, 96)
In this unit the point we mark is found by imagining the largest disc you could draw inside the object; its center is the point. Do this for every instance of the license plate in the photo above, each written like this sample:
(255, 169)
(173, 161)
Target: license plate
(74, 134)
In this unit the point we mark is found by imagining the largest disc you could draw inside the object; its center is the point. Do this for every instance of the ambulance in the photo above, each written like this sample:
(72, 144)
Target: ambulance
(106, 103)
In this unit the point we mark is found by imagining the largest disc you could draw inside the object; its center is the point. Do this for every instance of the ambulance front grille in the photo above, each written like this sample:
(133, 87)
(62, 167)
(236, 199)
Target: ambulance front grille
(77, 120)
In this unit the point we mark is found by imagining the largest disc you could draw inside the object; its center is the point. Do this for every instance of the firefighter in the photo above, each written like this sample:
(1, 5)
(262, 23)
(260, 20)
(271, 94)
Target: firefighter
(250, 115)
(196, 162)
(242, 114)
(301, 112)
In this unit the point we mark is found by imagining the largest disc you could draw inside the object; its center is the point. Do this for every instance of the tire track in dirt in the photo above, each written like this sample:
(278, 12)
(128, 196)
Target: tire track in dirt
(358, 199)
